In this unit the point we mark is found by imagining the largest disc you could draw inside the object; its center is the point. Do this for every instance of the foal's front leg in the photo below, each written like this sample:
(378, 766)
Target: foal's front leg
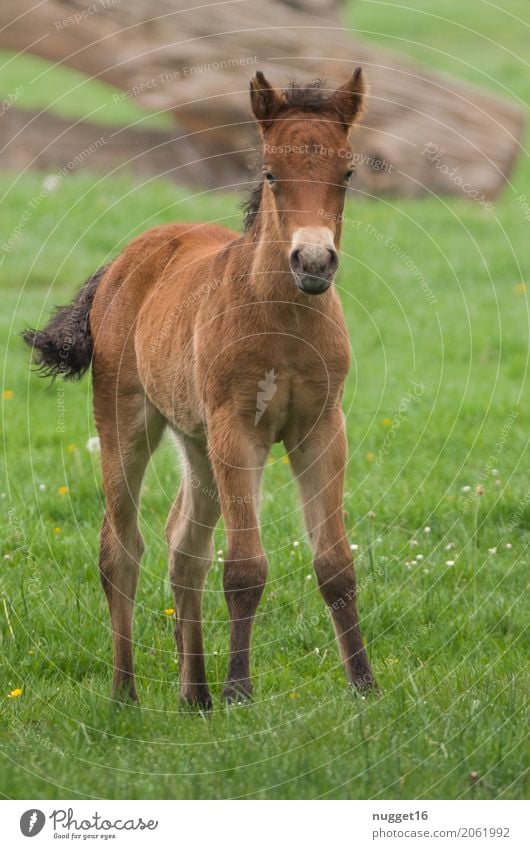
(238, 459)
(318, 462)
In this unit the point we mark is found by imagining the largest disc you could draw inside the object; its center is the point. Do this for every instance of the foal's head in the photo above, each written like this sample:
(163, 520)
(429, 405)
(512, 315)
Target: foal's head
(307, 165)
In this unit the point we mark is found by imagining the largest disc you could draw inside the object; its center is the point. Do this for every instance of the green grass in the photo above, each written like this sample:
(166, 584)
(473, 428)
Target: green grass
(447, 642)
(481, 41)
(34, 83)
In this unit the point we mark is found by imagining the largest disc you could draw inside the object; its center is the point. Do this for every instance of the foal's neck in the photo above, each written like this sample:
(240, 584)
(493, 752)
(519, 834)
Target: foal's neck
(270, 275)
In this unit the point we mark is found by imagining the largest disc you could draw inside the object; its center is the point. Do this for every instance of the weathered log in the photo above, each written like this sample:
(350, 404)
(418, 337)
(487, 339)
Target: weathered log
(423, 131)
(60, 146)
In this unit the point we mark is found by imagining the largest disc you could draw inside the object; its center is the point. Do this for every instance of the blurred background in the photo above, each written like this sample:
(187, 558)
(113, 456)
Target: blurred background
(159, 88)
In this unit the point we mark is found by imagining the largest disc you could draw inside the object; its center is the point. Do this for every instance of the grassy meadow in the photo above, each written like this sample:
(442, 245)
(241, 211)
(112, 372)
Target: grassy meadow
(435, 294)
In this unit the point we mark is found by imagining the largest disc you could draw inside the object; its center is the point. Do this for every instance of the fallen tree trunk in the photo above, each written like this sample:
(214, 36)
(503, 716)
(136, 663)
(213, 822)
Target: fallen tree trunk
(422, 132)
(58, 146)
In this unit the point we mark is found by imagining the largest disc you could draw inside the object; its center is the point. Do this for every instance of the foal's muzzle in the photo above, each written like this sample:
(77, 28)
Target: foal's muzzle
(313, 259)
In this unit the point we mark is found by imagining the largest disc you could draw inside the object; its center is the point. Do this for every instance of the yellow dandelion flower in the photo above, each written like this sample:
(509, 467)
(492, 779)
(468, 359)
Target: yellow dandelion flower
(285, 459)
(169, 611)
(63, 490)
(370, 457)
(31, 651)
(14, 694)
(57, 530)
(387, 422)
(71, 448)
(7, 394)
(520, 288)
(294, 696)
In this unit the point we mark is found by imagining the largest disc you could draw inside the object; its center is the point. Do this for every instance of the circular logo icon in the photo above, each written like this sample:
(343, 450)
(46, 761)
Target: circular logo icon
(32, 822)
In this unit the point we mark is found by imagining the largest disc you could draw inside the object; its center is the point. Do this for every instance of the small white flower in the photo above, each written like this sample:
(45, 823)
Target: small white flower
(51, 182)
(449, 546)
(493, 550)
(419, 557)
(354, 547)
(414, 542)
(427, 530)
(42, 487)
(466, 489)
(494, 472)
(296, 543)
(93, 445)
(498, 483)
(509, 545)
(449, 562)
(426, 571)
(220, 559)
(220, 551)
(309, 577)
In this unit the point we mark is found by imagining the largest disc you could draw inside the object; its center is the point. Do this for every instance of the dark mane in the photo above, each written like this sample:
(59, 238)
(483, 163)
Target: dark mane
(310, 97)
(251, 205)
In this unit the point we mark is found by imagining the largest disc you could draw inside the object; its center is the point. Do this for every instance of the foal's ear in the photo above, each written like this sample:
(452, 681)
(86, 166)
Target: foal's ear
(265, 100)
(349, 99)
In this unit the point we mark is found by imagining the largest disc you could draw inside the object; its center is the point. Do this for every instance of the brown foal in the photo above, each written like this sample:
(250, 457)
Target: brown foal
(183, 329)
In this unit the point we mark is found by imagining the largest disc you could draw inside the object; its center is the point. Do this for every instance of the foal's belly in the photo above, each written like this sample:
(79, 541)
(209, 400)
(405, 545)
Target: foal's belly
(167, 375)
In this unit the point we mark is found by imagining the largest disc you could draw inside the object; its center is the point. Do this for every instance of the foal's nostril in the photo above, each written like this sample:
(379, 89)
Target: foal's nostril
(333, 262)
(296, 261)
(325, 263)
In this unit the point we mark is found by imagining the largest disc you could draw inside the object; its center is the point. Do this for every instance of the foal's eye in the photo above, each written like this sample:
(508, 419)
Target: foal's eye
(270, 178)
(349, 174)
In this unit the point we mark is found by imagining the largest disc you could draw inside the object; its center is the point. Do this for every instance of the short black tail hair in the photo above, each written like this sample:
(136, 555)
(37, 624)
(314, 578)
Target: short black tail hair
(64, 347)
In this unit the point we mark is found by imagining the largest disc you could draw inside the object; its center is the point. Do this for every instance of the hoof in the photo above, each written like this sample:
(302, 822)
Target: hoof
(237, 692)
(125, 695)
(366, 684)
(198, 698)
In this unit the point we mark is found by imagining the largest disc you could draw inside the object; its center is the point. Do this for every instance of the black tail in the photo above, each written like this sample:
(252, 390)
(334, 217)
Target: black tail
(64, 347)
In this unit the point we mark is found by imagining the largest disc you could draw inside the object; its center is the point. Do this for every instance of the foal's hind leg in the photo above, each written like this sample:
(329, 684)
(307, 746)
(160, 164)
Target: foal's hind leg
(190, 528)
(129, 428)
